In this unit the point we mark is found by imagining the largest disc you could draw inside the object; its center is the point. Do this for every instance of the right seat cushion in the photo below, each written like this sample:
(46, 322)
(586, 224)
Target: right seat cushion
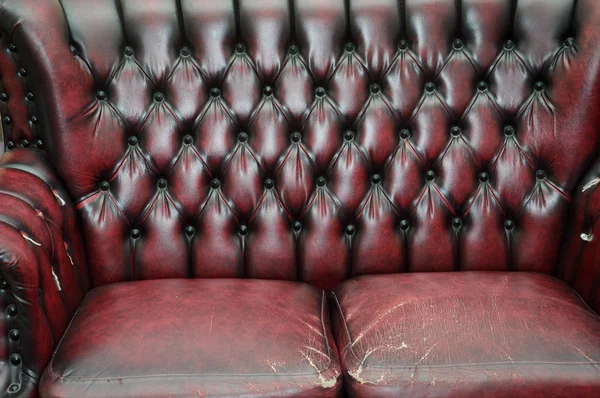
(466, 334)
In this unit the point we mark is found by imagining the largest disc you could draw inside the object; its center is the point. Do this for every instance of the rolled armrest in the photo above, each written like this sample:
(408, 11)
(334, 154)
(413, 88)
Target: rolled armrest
(580, 263)
(43, 274)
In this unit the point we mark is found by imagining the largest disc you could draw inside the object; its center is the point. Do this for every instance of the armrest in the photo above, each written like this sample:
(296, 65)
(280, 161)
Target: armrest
(43, 274)
(580, 263)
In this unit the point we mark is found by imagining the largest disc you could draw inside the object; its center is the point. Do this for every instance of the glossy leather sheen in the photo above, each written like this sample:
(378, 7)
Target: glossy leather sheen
(580, 265)
(471, 334)
(38, 237)
(301, 140)
(124, 83)
(221, 337)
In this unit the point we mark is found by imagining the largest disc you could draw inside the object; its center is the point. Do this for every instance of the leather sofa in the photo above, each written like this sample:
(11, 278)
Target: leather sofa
(300, 198)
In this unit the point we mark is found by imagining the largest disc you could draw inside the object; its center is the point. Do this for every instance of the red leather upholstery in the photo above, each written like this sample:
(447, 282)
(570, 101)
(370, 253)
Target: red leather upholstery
(469, 334)
(300, 140)
(579, 264)
(44, 274)
(185, 337)
(422, 130)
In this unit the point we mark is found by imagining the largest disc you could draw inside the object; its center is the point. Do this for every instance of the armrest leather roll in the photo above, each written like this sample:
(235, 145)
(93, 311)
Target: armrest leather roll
(43, 273)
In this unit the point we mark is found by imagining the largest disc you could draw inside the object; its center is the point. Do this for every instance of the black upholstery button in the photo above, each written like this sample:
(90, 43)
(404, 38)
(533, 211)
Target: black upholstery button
(405, 134)
(320, 91)
(15, 359)
(34, 120)
(430, 87)
(11, 310)
(456, 222)
(242, 137)
(188, 139)
(159, 97)
(403, 45)
(100, 95)
(185, 52)
(569, 42)
(482, 86)
(190, 231)
(455, 131)
(509, 225)
(135, 233)
(132, 141)
(162, 183)
(297, 226)
(509, 131)
(25, 143)
(12, 47)
(540, 175)
(296, 137)
(349, 135)
(128, 51)
(104, 186)
(509, 45)
(243, 230)
(3, 97)
(484, 177)
(539, 86)
(3, 284)
(240, 48)
(215, 92)
(30, 96)
(14, 388)
(430, 175)
(10, 144)
(269, 183)
(349, 47)
(375, 179)
(23, 72)
(215, 183)
(457, 44)
(268, 91)
(14, 334)
(293, 50)
(374, 88)
(39, 144)
(350, 230)
(7, 120)
(404, 225)
(321, 181)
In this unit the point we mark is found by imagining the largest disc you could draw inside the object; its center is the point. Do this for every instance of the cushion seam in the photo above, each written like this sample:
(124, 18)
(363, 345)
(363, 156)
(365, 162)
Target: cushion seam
(346, 328)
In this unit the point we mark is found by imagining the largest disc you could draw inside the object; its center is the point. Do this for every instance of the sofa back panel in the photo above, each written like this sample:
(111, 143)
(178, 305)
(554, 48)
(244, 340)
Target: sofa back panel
(315, 140)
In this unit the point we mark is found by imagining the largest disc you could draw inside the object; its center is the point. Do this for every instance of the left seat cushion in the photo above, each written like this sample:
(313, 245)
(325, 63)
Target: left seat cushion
(191, 338)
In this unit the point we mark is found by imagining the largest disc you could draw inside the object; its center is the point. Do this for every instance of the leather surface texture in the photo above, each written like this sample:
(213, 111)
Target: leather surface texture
(156, 146)
(197, 338)
(42, 266)
(257, 139)
(467, 334)
(580, 265)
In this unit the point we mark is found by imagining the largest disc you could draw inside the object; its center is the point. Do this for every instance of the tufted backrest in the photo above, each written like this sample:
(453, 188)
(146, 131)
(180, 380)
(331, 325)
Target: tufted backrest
(310, 139)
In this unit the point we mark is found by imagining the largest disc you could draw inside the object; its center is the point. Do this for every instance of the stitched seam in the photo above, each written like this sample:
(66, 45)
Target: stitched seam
(329, 360)
(483, 364)
(178, 375)
(346, 329)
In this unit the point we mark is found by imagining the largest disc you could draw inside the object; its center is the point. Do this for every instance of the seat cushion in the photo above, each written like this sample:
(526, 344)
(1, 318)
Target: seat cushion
(467, 334)
(197, 338)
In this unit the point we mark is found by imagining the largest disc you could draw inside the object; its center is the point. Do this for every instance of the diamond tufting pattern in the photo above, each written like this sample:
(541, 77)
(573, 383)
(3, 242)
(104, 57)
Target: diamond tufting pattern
(256, 139)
